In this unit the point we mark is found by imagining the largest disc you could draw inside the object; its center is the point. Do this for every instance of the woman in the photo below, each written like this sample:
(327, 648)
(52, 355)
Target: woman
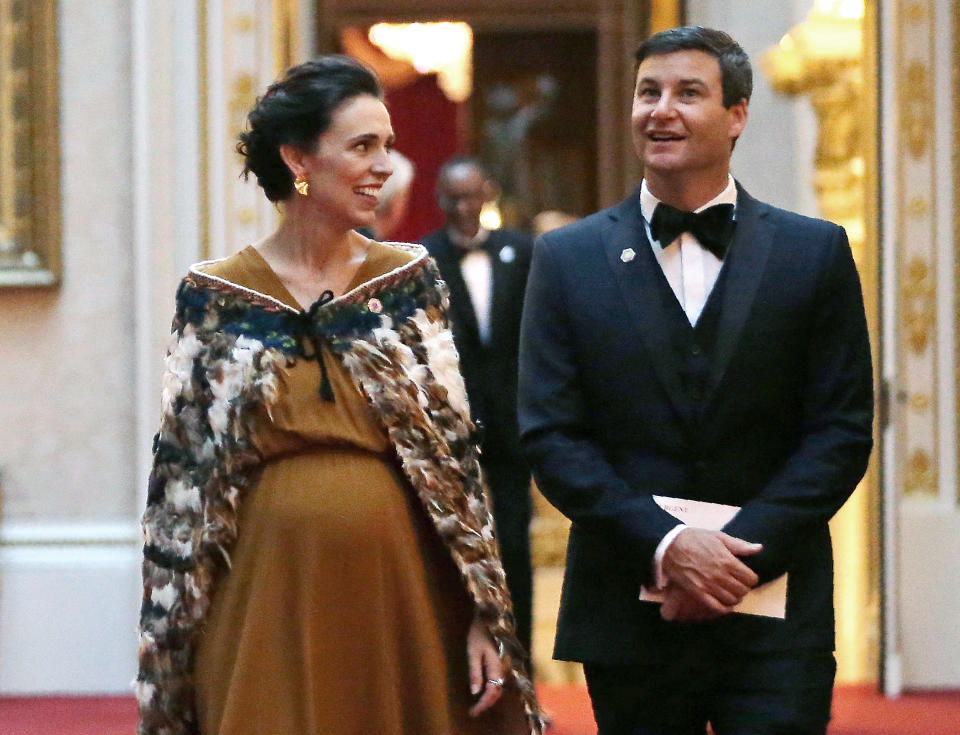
(318, 551)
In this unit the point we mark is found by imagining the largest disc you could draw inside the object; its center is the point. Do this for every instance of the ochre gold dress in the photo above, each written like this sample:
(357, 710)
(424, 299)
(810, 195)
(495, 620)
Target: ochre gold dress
(343, 612)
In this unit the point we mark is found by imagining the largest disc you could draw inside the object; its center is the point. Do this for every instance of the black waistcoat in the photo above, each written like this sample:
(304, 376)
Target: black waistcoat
(694, 346)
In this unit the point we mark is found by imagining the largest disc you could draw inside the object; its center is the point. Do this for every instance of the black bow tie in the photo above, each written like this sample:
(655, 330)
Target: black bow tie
(713, 227)
(462, 251)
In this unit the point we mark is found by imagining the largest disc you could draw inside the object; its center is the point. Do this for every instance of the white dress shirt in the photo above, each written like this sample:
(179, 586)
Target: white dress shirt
(690, 268)
(692, 271)
(477, 273)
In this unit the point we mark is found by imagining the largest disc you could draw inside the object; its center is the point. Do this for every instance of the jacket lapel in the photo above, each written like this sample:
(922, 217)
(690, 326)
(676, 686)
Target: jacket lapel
(503, 297)
(461, 305)
(752, 240)
(629, 256)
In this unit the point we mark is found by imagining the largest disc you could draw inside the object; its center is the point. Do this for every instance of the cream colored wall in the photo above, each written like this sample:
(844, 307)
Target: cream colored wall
(68, 541)
(66, 396)
(774, 156)
(80, 365)
(920, 53)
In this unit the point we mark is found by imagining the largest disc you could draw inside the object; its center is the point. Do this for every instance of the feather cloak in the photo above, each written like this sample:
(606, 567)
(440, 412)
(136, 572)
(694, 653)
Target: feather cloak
(227, 348)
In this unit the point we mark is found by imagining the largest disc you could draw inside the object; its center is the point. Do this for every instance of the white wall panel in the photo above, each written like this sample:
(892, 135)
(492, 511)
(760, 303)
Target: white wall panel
(69, 596)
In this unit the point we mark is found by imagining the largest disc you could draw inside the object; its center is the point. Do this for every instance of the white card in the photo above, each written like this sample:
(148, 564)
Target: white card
(769, 600)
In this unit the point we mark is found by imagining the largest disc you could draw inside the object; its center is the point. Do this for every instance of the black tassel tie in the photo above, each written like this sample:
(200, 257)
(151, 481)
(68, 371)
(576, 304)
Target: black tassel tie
(308, 332)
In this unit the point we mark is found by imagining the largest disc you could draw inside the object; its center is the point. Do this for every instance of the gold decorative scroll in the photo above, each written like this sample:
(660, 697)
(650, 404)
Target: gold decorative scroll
(916, 108)
(920, 403)
(823, 60)
(919, 304)
(921, 473)
(29, 144)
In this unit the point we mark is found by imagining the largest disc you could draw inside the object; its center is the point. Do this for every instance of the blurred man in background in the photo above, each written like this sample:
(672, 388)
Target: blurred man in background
(394, 197)
(486, 272)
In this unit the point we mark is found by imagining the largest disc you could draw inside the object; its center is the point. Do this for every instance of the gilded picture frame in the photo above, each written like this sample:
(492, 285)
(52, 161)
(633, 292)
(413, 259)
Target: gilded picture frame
(29, 145)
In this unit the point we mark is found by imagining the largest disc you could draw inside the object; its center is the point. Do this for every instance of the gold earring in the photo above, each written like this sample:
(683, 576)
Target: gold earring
(302, 185)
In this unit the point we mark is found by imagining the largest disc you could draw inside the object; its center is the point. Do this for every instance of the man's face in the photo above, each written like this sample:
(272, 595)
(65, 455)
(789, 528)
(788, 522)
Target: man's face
(680, 126)
(461, 196)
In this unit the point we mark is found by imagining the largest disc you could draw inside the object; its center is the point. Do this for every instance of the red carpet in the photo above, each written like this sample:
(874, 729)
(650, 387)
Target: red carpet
(68, 715)
(856, 711)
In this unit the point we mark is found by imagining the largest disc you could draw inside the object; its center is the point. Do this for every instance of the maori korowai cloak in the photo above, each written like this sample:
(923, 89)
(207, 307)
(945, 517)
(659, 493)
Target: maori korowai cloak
(228, 345)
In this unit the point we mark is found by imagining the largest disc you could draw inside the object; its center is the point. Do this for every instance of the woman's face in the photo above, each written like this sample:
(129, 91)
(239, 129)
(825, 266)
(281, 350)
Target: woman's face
(351, 162)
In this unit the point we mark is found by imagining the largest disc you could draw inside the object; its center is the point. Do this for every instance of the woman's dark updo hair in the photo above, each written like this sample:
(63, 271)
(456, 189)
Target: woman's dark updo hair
(295, 111)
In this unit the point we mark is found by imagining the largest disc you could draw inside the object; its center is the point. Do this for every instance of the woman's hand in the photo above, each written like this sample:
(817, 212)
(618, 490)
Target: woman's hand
(486, 668)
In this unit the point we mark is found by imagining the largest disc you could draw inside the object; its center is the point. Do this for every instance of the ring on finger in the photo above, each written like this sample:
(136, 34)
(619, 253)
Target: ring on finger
(495, 682)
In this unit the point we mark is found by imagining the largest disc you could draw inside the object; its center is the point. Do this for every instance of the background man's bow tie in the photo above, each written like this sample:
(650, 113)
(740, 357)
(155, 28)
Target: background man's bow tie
(464, 249)
(713, 227)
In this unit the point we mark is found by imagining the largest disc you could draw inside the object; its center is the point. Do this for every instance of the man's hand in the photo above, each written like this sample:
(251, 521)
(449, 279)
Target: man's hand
(705, 565)
(679, 606)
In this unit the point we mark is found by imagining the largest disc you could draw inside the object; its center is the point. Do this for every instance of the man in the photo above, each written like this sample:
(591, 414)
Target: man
(721, 358)
(394, 197)
(486, 271)
(393, 201)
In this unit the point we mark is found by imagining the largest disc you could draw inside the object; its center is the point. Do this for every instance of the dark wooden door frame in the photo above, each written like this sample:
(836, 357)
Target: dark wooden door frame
(619, 25)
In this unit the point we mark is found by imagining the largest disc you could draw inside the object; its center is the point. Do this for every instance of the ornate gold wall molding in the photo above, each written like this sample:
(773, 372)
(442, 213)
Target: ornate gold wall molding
(916, 107)
(921, 473)
(919, 305)
(29, 144)
(917, 248)
(823, 60)
(244, 45)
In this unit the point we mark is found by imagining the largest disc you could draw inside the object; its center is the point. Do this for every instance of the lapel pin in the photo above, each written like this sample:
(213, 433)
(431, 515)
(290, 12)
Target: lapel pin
(507, 254)
(375, 306)
(627, 255)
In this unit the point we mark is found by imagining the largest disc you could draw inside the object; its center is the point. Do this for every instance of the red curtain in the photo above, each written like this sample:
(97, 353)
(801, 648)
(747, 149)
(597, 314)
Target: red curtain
(426, 124)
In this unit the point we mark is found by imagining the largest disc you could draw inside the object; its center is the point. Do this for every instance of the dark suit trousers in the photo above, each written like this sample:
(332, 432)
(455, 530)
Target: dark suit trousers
(509, 484)
(776, 693)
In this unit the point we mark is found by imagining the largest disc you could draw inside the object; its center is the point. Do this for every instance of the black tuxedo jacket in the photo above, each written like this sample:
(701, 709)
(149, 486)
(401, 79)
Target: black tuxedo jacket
(489, 370)
(784, 429)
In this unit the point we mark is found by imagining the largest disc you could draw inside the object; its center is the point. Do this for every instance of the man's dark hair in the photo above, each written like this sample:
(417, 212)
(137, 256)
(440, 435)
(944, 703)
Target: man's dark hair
(456, 161)
(444, 173)
(736, 76)
(295, 111)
